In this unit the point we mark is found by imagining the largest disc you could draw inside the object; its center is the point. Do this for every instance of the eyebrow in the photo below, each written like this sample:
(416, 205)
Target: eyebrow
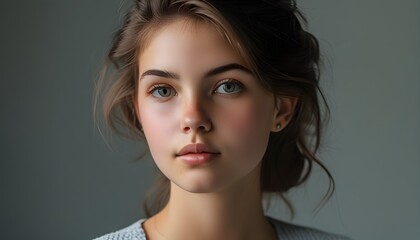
(212, 72)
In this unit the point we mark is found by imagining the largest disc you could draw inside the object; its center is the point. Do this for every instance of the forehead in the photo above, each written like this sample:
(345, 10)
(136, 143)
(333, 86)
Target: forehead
(187, 45)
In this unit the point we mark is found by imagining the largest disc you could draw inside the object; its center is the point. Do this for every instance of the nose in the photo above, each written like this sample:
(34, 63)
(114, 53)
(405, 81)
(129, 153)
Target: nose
(195, 117)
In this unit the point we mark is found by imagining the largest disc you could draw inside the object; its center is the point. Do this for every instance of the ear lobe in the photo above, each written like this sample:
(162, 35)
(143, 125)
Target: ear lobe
(285, 109)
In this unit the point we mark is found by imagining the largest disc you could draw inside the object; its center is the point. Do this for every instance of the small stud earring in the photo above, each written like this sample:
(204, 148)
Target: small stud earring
(278, 126)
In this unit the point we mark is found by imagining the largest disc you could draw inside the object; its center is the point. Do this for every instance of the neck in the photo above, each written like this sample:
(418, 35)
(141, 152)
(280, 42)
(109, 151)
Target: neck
(234, 213)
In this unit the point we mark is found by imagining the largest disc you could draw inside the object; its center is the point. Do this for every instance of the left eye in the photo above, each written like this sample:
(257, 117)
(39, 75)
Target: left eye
(229, 87)
(162, 91)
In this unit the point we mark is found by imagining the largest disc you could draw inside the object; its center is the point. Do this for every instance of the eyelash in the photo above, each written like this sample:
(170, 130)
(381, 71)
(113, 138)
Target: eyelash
(230, 81)
(157, 87)
(236, 83)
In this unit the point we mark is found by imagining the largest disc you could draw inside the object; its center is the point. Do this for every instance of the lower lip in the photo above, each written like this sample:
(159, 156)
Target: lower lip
(197, 158)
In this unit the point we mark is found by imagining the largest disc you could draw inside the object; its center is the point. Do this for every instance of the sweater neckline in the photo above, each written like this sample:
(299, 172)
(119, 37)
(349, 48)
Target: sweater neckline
(140, 229)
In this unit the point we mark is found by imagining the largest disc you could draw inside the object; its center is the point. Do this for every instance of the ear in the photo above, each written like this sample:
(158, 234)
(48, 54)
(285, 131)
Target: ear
(283, 113)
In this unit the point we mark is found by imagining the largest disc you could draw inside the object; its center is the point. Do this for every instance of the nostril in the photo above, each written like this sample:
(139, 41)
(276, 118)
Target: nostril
(202, 128)
(196, 124)
(205, 127)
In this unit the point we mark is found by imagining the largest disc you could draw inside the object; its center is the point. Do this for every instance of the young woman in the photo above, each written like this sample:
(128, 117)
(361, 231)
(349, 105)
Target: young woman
(225, 93)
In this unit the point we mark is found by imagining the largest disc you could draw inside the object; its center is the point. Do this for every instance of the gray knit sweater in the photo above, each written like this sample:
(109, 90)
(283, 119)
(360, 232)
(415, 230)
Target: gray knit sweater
(285, 231)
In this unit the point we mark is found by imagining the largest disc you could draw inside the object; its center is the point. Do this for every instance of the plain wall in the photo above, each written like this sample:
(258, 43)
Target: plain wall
(60, 180)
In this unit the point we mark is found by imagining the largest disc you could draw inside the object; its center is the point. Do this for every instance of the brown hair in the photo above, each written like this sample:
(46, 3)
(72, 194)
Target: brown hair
(282, 55)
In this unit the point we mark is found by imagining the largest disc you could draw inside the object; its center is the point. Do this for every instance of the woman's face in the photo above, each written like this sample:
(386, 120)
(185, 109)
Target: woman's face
(195, 91)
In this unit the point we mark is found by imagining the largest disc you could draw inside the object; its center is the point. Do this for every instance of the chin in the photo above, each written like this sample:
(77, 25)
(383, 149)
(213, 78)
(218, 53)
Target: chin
(201, 185)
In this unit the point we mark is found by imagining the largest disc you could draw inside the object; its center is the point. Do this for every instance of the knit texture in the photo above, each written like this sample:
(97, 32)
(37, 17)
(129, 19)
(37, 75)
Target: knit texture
(285, 231)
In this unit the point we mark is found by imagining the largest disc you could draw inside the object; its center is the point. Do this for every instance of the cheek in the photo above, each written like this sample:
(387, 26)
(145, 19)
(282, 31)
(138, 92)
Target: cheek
(158, 123)
(247, 126)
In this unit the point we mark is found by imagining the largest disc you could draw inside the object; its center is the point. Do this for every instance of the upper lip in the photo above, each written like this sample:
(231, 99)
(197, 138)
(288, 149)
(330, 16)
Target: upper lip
(196, 148)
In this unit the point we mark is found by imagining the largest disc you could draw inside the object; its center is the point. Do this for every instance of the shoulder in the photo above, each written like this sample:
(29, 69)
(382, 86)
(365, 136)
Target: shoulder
(288, 231)
(132, 232)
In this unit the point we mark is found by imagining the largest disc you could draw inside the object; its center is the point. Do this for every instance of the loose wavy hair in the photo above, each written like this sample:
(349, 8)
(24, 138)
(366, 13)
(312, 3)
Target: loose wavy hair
(283, 56)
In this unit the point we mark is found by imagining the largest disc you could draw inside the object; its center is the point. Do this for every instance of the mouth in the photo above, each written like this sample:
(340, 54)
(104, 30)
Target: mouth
(196, 154)
(197, 148)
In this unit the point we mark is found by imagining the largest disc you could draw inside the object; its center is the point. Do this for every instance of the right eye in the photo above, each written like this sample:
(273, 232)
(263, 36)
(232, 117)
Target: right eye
(162, 91)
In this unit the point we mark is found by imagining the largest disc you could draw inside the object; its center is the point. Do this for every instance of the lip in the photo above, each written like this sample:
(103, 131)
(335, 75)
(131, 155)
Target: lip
(196, 148)
(196, 154)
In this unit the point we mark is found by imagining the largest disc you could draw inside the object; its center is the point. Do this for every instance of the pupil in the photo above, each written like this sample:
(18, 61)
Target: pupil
(164, 91)
(228, 87)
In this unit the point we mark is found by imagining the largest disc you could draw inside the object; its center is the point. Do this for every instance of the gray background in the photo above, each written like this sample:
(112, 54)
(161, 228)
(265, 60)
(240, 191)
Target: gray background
(60, 180)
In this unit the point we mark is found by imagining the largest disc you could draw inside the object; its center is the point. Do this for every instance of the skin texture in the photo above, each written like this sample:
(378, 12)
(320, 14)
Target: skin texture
(229, 112)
